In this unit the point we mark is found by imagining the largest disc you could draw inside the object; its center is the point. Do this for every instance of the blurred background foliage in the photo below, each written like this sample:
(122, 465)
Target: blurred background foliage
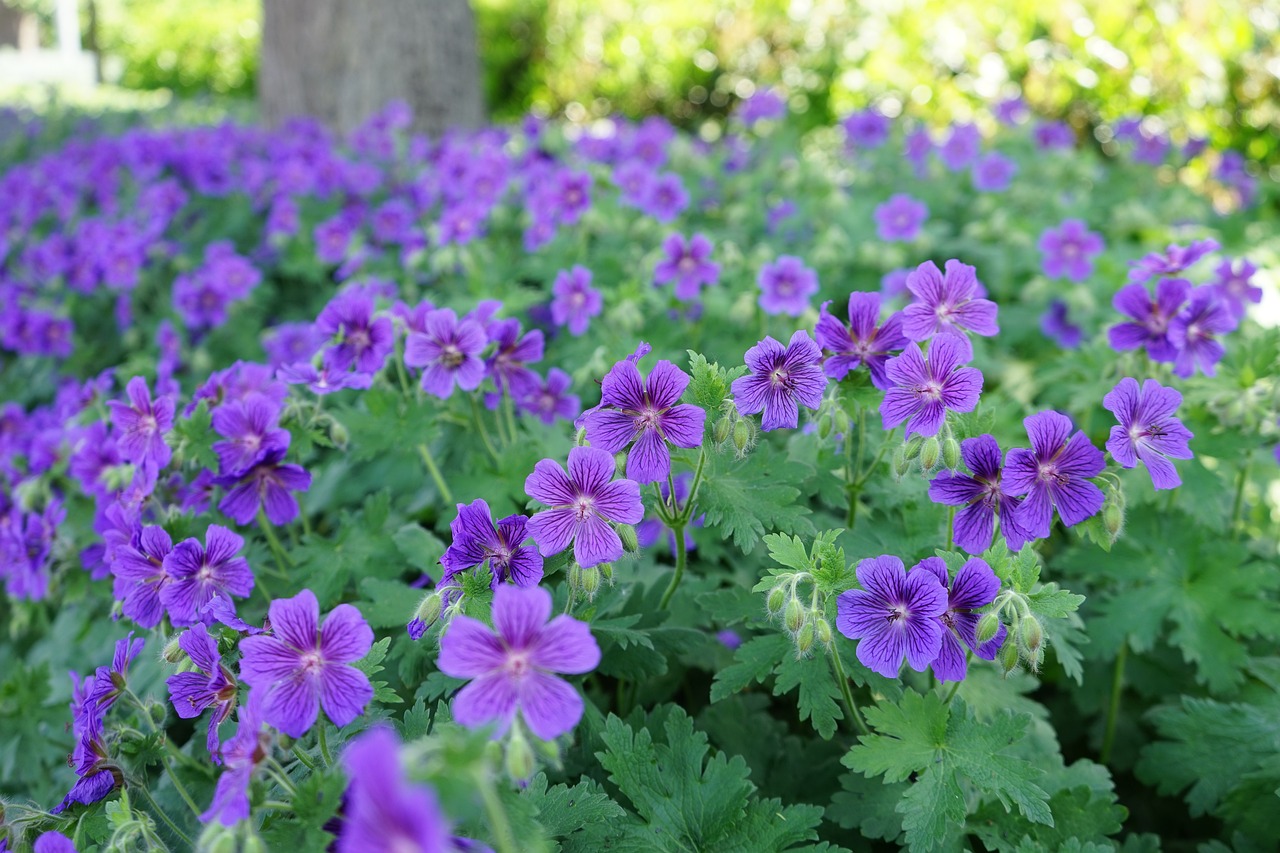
(1205, 67)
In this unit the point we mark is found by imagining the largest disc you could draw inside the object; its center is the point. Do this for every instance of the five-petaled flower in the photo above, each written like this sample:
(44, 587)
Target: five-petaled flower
(863, 341)
(581, 506)
(975, 586)
(924, 388)
(895, 615)
(1055, 472)
(950, 304)
(142, 424)
(305, 666)
(1148, 431)
(476, 539)
(781, 380)
(981, 496)
(514, 670)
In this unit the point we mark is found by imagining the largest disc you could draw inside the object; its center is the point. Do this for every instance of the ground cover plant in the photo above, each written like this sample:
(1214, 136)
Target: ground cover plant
(606, 489)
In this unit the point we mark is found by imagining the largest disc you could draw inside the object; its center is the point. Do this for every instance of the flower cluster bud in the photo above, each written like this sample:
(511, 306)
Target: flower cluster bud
(173, 652)
(586, 582)
(743, 437)
(794, 616)
(630, 541)
(988, 627)
(930, 452)
(1113, 512)
(950, 453)
(519, 759)
(722, 430)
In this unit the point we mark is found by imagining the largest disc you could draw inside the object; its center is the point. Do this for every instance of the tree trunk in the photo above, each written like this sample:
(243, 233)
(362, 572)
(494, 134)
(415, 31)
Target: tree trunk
(343, 60)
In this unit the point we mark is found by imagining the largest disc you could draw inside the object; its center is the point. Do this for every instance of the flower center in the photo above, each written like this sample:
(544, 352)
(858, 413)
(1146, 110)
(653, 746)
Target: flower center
(647, 418)
(311, 662)
(451, 356)
(896, 614)
(778, 377)
(931, 390)
(1049, 473)
(358, 338)
(687, 264)
(578, 299)
(583, 507)
(517, 665)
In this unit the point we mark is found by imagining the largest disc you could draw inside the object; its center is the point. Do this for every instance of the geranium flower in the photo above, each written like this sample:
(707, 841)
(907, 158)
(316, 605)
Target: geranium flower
(781, 380)
(581, 506)
(1148, 431)
(895, 615)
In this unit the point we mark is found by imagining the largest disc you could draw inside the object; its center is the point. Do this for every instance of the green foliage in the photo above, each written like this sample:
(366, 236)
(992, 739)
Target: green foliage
(684, 800)
(746, 499)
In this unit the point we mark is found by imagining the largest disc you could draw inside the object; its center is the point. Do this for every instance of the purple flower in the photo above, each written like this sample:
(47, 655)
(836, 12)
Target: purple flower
(514, 670)
(507, 366)
(362, 339)
(267, 485)
(1232, 281)
(962, 147)
(1056, 325)
(1148, 430)
(1011, 111)
(142, 426)
(322, 380)
(951, 305)
(449, 350)
(1171, 261)
(925, 389)
(109, 682)
(916, 148)
(304, 667)
(88, 790)
(866, 129)
(140, 576)
(895, 615)
(894, 283)
(1053, 134)
(781, 380)
(982, 497)
(975, 587)
(900, 218)
(861, 341)
(576, 301)
(666, 197)
(648, 412)
(209, 686)
(786, 285)
(993, 172)
(1150, 328)
(251, 431)
(384, 812)
(764, 104)
(199, 573)
(1192, 332)
(581, 506)
(240, 755)
(53, 842)
(688, 263)
(1068, 250)
(549, 400)
(1055, 472)
(476, 540)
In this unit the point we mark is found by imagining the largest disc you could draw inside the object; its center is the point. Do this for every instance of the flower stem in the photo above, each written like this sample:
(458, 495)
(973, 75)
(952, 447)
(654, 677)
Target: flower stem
(681, 558)
(434, 470)
(1113, 710)
(503, 839)
(168, 820)
(277, 550)
(951, 526)
(478, 418)
(303, 757)
(182, 791)
(1237, 505)
(687, 512)
(509, 412)
(843, 681)
(324, 744)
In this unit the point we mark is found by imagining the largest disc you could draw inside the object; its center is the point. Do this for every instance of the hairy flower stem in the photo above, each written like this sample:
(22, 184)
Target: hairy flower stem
(173, 827)
(324, 744)
(302, 756)
(508, 412)
(687, 512)
(843, 681)
(677, 529)
(955, 687)
(1113, 711)
(503, 839)
(277, 550)
(434, 470)
(478, 418)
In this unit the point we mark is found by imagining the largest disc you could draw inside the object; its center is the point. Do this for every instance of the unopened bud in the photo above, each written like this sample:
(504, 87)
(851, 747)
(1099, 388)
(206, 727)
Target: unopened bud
(253, 844)
(722, 429)
(339, 435)
(1113, 519)
(913, 446)
(580, 438)
(157, 711)
(217, 839)
(804, 639)
(951, 454)
(1031, 634)
(630, 542)
(574, 576)
(1008, 656)
(776, 601)
(988, 627)
(901, 464)
(606, 572)
(823, 628)
(794, 617)
(173, 652)
(929, 453)
(840, 421)
(590, 582)
(824, 426)
(741, 435)
(428, 611)
(520, 761)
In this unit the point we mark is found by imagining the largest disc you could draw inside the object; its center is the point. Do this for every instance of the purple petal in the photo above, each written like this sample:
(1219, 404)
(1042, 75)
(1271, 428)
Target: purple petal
(649, 460)
(345, 691)
(296, 620)
(596, 542)
(469, 649)
(345, 636)
(267, 660)
(487, 699)
(549, 705)
(565, 645)
(553, 529)
(292, 705)
(620, 501)
(519, 613)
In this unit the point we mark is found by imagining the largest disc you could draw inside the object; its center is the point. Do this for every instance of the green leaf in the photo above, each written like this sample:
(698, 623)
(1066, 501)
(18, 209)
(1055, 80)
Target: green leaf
(818, 696)
(755, 660)
(419, 547)
(563, 811)
(788, 551)
(710, 383)
(758, 495)
(909, 734)
(193, 437)
(389, 604)
(868, 805)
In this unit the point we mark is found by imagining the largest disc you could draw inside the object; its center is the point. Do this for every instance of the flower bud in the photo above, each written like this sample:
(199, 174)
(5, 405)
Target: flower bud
(580, 438)
(520, 762)
(901, 464)
(988, 627)
(951, 454)
(173, 652)
(1008, 657)
(722, 429)
(929, 453)
(913, 446)
(606, 572)
(776, 601)
(824, 426)
(741, 435)
(794, 617)
(1113, 519)
(429, 609)
(574, 576)
(1031, 634)
(217, 838)
(157, 711)
(840, 421)
(590, 582)
(824, 631)
(804, 639)
(253, 844)
(630, 542)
